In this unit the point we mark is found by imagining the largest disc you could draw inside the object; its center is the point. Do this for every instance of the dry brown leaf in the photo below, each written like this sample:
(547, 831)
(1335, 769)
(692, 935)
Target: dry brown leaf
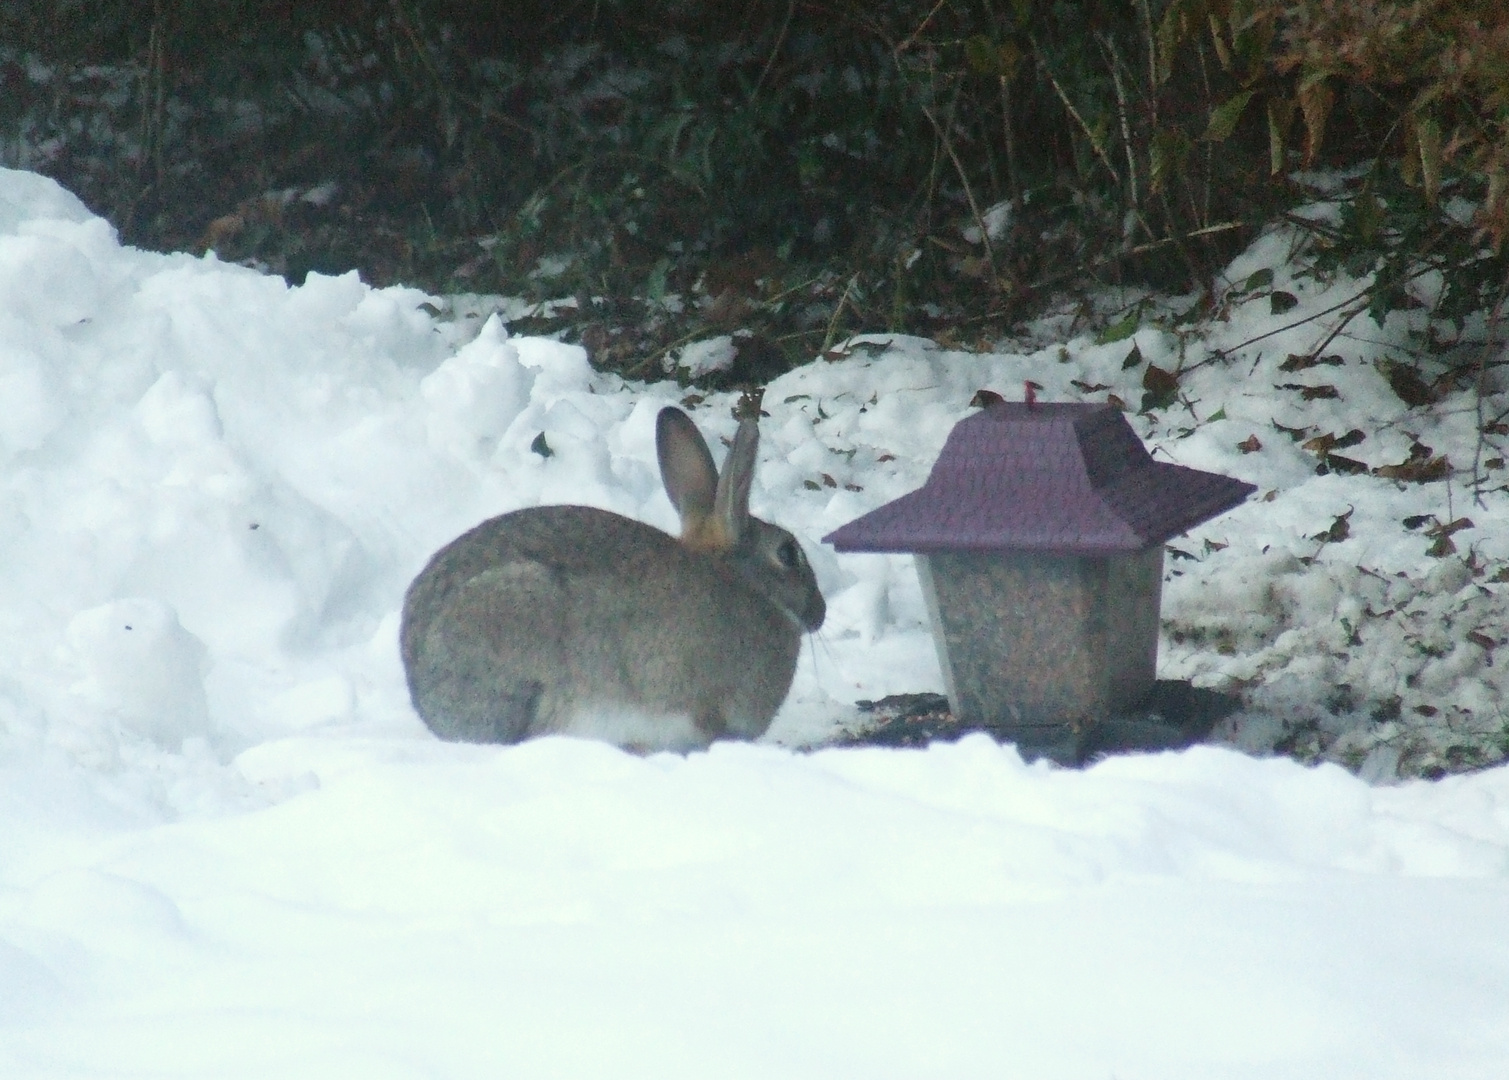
(1340, 529)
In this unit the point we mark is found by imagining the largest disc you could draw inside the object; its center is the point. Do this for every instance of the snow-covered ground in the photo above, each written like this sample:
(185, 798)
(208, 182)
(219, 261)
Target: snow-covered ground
(228, 848)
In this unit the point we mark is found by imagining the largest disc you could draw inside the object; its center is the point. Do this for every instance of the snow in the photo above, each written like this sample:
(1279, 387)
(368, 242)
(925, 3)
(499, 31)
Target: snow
(229, 848)
(704, 357)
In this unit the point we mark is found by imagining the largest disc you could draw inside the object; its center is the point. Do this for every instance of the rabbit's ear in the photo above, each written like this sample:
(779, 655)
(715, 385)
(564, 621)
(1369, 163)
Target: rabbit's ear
(731, 508)
(690, 478)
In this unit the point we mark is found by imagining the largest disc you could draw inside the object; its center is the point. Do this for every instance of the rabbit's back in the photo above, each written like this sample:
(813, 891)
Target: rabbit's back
(551, 619)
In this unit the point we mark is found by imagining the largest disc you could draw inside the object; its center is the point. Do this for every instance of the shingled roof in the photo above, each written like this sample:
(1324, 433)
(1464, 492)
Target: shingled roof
(1058, 477)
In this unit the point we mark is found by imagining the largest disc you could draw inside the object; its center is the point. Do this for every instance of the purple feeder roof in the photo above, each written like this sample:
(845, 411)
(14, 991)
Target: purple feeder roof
(1058, 477)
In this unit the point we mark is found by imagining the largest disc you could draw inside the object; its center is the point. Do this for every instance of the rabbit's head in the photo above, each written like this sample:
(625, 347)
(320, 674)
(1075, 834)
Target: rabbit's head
(715, 518)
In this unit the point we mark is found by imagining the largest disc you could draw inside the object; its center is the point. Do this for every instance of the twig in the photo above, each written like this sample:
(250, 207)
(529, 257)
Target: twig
(915, 34)
(1152, 63)
(1494, 321)
(837, 313)
(1140, 249)
(1221, 354)
(1325, 342)
(154, 94)
(1013, 173)
(444, 90)
(1100, 151)
(659, 356)
(1134, 196)
(780, 40)
(969, 191)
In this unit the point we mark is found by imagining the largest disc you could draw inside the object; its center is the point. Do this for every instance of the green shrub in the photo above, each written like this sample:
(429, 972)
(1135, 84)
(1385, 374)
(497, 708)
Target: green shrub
(801, 170)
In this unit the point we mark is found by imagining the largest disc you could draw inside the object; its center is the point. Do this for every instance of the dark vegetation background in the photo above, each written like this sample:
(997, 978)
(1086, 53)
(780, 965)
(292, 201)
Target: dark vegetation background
(793, 171)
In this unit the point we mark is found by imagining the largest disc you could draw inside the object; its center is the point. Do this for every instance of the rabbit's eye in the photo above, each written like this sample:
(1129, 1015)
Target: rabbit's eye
(789, 554)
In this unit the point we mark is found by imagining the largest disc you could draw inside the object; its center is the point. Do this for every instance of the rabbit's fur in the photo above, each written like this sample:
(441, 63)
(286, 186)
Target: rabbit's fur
(575, 620)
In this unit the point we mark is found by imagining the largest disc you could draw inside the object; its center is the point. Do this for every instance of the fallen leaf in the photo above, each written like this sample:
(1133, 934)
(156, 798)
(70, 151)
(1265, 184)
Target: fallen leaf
(1280, 302)
(1450, 527)
(1119, 331)
(1406, 383)
(1443, 545)
(1133, 358)
(1340, 529)
(1311, 393)
(1301, 361)
(1294, 433)
(1160, 388)
(984, 399)
(1088, 388)
(1419, 468)
(1250, 445)
(1322, 445)
(1477, 637)
(1258, 279)
(1344, 466)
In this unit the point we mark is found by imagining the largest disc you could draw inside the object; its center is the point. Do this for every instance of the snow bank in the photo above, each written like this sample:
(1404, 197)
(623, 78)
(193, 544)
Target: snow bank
(562, 909)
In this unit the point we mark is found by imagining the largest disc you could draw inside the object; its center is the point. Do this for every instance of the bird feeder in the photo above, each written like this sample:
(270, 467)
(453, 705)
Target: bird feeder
(1038, 539)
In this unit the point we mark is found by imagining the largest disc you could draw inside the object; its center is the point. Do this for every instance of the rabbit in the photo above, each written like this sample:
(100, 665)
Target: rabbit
(575, 620)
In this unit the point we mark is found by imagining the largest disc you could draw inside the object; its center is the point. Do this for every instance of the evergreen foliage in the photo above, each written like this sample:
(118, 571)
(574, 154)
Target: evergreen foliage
(794, 171)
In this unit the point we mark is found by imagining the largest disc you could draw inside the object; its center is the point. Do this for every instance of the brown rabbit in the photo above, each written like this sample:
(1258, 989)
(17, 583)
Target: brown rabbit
(573, 620)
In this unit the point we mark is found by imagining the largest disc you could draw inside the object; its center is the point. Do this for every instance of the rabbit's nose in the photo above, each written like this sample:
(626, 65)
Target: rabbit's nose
(816, 612)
